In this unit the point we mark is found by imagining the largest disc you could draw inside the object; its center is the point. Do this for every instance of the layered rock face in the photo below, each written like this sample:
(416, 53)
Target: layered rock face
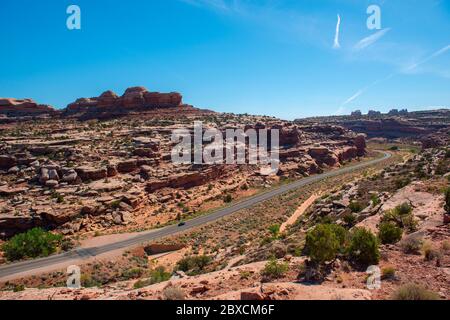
(21, 108)
(134, 99)
(394, 125)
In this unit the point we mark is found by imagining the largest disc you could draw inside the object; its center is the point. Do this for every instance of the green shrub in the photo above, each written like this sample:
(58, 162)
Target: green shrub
(193, 264)
(342, 236)
(322, 243)
(363, 249)
(375, 200)
(414, 292)
(275, 230)
(349, 219)
(389, 233)
(355, 206)
(274, 269)
(388, 273)
(156, 276)
(132, 273)
(228, 198)
(402, 216)
(31, 244)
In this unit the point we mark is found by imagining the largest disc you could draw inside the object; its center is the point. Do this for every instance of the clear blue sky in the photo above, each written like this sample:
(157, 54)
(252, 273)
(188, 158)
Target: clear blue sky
(272, 57)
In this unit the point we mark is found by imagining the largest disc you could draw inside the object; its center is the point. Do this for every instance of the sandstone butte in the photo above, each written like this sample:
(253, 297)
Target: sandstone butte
(107, 105)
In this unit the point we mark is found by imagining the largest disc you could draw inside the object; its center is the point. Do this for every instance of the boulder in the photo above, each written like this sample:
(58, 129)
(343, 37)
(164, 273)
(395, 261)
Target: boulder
(127, 166)
(7, 162)
(87, 173)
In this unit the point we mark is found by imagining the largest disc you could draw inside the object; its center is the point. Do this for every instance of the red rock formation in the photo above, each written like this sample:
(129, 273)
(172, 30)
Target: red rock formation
(134, 99)
(21, 108)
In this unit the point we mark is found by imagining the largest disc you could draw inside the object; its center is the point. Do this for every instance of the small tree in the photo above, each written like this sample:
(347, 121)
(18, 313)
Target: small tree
(389, 233)
(322, 244)
(31, 244)
(275, 230)
(274, 269)
(363, 248)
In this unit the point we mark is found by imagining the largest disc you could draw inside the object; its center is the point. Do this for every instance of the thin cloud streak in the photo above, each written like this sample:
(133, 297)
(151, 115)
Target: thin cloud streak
(336, 44)
(370, 40)
(407, 70)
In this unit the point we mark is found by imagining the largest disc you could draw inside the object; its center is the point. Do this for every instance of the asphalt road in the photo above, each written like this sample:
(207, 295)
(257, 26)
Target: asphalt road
(77, 254)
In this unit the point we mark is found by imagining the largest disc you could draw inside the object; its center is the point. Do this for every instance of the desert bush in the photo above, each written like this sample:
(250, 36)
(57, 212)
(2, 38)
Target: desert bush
(388, 273)
(31, 244)
(156, 276)
(173, 293)
(194, 264)
(430, 253)
(375, 200)
(349, 219)
(274, 269)
(275, 230)
(402, 182)
(414, 292)
(355, 206)
(132, 273)
(412, 245)
(322, 243)
(402, 216)
(228, 198)
(363, 249)
(389, 233)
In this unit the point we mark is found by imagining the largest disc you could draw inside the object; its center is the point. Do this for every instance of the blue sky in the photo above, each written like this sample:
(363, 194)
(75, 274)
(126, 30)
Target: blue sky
(274, 57)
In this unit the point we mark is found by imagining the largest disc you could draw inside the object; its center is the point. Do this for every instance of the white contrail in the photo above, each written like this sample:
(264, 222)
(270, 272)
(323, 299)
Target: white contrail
(368, 41)
(336, 44)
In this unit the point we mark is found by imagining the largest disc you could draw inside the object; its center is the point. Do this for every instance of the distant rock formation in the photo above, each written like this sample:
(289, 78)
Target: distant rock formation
(134, 99)
(11, 107)
(396, 124)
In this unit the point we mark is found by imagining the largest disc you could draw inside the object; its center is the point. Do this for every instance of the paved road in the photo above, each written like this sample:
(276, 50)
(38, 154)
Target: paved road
(78, 254)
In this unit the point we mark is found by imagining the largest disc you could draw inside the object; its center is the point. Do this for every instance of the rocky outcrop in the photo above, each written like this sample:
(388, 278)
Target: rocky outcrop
(186, 180)
(22, 108)
(87, 173)
(324, 155)
(396, 124)
(134, 99)
(7, 162)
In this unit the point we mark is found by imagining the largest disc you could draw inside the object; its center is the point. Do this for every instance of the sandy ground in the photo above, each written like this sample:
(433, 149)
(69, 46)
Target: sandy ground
(300, 211)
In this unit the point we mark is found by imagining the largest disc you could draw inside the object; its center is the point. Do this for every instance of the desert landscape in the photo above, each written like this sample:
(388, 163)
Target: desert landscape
(224, 157)
(99, 172)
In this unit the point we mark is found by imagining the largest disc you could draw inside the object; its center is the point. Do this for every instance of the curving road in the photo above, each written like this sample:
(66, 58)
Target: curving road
(77, 254)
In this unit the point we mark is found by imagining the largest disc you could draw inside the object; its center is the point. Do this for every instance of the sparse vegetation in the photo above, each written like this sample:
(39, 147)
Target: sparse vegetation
(402, 217)
(194, 264)
(156, 276)
(414, 292)
(174, 293)
(356, 207)
(412, 245)
(388, 273)
(274, 269)
(31, 244)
